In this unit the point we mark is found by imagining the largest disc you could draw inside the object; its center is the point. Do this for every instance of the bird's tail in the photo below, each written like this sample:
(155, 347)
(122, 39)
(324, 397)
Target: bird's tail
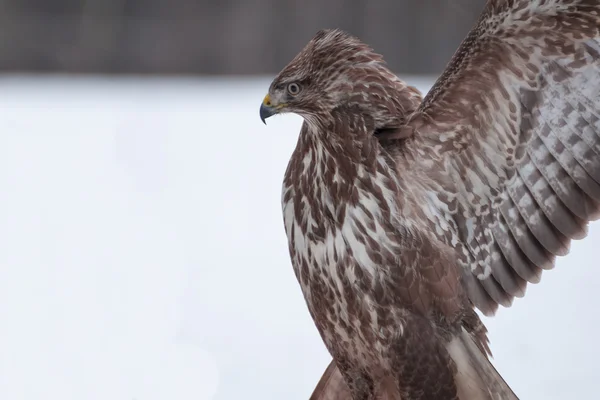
(331, 386)
(476, 377)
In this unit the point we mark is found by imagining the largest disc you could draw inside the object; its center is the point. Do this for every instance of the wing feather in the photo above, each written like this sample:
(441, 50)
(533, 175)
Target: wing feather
(571, 195)
(512, 129)
(557, 224)
(511, 250)
(505, 274)
(531, 207)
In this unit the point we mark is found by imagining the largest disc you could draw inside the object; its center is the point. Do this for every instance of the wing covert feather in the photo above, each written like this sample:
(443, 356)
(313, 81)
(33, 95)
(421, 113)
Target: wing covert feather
(512, 129)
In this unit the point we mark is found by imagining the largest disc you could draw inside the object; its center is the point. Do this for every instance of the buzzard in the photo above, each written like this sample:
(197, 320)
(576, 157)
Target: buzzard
(406, 214)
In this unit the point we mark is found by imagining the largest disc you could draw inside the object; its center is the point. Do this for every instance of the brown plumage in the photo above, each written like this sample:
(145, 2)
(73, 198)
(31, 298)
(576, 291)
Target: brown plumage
(405, 214)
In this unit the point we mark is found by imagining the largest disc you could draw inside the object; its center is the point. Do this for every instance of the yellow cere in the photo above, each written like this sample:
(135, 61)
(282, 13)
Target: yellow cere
(267, 100)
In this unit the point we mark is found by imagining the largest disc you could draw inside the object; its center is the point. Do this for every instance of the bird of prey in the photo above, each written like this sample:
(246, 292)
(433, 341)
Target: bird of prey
(406, 214)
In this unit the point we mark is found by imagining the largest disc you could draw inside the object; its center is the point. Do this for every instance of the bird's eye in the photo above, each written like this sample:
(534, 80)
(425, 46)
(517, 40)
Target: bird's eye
(293, 89)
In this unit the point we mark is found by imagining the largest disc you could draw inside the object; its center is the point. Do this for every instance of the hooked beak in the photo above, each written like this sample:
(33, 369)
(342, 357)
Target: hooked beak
(267, 109)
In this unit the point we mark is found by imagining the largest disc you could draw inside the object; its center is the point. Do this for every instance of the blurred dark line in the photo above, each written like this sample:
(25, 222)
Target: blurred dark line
(231, 37)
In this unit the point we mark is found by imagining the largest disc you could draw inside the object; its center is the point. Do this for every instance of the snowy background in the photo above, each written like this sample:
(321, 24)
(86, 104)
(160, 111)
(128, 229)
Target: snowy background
(143, 257)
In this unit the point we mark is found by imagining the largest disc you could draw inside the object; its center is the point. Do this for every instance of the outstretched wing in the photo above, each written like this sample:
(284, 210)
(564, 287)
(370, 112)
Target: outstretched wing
(510, 134)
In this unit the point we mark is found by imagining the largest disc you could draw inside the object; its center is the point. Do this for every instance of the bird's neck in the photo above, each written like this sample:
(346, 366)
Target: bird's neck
(326, 172)
(338, 153)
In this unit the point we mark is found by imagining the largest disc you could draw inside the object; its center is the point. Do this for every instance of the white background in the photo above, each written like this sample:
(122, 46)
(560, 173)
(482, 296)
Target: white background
(142, 254)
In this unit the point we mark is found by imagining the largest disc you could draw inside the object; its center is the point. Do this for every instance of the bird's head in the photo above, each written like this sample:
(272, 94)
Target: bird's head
(326, 73)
